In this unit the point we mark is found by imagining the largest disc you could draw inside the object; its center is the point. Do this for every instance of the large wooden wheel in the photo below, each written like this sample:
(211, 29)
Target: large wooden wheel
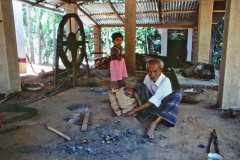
(74, 42)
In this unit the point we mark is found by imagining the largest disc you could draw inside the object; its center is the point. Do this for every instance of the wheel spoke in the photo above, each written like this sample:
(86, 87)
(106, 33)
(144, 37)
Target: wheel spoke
(65, 36)
(64, 43)
(70, 24)
(66, 51)
(77, 31)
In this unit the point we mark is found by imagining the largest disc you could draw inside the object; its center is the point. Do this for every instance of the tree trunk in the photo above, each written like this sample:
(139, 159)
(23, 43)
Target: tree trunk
(54, 40)
(30, 38)
(147, 45)
(107, 42)
(39, 36)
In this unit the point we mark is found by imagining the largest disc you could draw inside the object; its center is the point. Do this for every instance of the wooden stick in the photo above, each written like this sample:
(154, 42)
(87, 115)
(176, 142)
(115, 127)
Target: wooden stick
(59, 133)
(85, 121)
(31, 64)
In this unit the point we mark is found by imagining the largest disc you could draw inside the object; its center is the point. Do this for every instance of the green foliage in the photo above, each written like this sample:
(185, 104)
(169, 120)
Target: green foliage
(217, 37)
(148, 40)
(46, 31)
(177, 36)
(89, 38)
(106, 34)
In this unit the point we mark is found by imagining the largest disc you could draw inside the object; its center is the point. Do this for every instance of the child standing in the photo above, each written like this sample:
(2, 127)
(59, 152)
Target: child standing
(117, 65)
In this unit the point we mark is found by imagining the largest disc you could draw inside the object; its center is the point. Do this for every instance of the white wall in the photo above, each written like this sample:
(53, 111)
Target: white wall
(19, 29)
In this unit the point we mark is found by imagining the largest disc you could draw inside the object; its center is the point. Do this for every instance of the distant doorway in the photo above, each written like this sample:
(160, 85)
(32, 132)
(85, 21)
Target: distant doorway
(177, 47)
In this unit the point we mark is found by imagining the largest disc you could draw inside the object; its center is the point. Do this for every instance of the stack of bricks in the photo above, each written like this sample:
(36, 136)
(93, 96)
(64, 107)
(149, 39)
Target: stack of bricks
(97, 39)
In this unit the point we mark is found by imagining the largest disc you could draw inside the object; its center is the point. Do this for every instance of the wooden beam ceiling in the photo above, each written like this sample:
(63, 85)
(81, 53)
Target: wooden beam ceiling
(184, 25)
(86, 14)
(114, 10)
(159, 9)
(119, 16)
(149, 13)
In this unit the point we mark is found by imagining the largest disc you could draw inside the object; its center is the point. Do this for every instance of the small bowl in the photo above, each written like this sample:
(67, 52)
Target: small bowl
(33, 86)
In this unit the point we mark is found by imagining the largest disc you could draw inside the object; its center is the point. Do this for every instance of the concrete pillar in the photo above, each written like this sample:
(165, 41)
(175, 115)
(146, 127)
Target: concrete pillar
(164, 42)
(229, 86)
(97, 40)
(204, 29)
(130, 35)
(18, 20)
(9, 79)
(71, 8)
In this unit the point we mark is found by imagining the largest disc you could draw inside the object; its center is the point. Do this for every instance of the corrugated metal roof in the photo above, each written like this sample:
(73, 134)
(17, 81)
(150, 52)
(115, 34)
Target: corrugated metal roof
(149, 12)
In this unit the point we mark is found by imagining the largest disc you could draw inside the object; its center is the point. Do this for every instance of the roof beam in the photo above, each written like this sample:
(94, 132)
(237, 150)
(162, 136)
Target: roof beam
(186, 0)
(154, 25)
(177, 0)
(86, 15)
(164, 12)
(167, 12)
(114, 10)
(159, 11)
(41, 6)
(219, 11)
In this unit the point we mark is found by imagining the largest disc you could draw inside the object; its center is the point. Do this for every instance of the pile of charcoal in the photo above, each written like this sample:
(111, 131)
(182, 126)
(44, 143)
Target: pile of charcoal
(102, 143)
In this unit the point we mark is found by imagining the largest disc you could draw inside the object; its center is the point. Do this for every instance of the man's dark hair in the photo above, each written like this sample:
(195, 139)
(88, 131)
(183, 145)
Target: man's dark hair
(116, 35)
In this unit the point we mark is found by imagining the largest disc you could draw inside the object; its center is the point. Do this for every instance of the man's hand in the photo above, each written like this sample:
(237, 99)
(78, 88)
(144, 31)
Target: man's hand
(129, 113)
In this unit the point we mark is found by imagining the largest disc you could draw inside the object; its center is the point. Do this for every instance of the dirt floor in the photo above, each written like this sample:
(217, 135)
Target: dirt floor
(111, 137)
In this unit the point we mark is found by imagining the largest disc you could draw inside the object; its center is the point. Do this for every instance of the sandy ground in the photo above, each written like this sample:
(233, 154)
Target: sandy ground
(111, 137)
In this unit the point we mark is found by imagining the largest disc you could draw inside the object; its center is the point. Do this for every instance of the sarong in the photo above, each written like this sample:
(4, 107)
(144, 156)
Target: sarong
(168, 109)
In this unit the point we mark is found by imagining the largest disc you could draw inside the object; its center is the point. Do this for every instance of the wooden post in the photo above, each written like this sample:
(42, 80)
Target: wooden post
(130, 35)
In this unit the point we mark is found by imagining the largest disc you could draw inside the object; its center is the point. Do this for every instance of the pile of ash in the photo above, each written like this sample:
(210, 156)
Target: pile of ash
(102, 142)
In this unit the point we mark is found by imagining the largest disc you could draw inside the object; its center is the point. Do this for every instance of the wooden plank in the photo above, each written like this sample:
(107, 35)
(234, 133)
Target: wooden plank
(85, 121)
(59, 133)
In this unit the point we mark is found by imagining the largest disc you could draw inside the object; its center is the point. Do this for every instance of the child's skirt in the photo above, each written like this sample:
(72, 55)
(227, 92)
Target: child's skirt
(118, 70)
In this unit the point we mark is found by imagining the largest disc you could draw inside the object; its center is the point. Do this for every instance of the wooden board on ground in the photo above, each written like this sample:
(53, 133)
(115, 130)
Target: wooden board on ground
(85, 121)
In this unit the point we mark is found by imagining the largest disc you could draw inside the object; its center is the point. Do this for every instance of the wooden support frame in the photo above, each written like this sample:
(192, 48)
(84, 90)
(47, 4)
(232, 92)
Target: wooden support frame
(41, 6)
(86, 14)
(186, 0)
(164, 12)
(114, 10)
(169, 25)
(159, 11)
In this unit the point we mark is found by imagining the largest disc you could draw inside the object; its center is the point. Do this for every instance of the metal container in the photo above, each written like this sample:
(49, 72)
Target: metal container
(33, 86)
(215, 156)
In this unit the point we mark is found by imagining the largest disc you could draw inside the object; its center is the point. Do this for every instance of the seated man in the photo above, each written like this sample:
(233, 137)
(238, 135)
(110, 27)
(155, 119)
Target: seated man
(157, 98)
